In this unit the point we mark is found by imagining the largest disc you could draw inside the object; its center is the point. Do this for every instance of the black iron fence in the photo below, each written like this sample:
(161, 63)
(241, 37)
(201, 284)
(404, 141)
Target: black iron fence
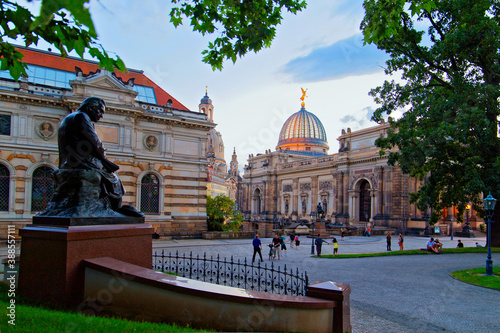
(233, 273)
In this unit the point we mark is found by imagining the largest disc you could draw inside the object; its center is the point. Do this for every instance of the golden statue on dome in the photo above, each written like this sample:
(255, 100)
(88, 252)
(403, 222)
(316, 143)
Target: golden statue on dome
(303, 104)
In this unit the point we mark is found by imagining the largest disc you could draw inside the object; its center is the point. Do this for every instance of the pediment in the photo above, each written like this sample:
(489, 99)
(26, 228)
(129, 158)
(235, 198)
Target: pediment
(106, 85)
(106, 79)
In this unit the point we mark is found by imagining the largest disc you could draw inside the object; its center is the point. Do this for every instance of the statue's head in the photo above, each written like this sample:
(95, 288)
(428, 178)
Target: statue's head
(94, 107)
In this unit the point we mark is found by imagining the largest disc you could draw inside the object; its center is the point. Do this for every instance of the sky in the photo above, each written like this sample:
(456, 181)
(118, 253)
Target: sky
(319, 49)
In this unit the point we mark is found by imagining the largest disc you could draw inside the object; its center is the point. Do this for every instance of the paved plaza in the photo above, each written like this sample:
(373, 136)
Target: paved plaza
(389, 294)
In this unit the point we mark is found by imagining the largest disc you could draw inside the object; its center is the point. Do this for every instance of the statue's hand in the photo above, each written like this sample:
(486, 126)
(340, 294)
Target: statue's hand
(109, 166)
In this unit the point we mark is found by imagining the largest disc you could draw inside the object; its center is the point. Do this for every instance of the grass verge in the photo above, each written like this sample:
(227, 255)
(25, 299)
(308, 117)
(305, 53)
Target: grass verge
(476, 277)
(30, 318)
(410, 252)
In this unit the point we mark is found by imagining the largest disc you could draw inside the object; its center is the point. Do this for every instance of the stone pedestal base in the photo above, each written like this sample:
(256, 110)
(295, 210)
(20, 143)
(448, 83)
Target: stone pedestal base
(339, 292)
(465, 234)
(51, 257)
(320, 228)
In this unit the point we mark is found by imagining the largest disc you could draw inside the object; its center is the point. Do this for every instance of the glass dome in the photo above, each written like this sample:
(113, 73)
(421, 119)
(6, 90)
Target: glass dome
(303, 131)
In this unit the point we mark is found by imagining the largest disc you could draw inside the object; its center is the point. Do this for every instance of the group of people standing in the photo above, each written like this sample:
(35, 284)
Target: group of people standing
(277, 246)
(401, 240)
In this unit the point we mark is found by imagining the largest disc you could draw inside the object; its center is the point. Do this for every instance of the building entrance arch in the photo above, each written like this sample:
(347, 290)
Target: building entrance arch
(365, 212)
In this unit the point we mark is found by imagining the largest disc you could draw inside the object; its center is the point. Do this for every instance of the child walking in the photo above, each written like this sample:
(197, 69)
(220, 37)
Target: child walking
(335, 246)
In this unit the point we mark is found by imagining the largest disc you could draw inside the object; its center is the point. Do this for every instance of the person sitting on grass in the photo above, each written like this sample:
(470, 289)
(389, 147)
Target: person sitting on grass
(431, 246)
(460, 244)
(439, 245)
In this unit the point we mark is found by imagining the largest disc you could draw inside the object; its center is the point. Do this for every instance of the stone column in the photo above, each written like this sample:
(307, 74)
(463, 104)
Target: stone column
(388, 207)
(373, 204)
(353, 203)
(264, 198)
(295, 199)
(279, 197)
(340, 193)
(345, 204)
(380, 190)
(314, 193)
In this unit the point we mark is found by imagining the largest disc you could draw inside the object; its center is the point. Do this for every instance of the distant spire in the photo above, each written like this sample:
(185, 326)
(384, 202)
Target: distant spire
(234, 164)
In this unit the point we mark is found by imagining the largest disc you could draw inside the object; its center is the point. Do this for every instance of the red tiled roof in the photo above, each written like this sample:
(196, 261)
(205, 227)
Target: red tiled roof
(52, 60)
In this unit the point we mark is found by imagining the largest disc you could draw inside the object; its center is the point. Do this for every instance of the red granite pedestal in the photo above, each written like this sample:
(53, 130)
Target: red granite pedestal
(339, 292)
(51, 268)
(320, 229)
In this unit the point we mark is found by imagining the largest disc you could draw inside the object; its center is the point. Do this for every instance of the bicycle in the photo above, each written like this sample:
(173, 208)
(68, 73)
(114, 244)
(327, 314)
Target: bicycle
(271, 254)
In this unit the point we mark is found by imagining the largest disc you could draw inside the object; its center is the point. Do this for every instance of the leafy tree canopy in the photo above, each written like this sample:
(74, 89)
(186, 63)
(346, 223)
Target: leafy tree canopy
(240, 26)
(447, 52)
(222, 214)
(65, 24)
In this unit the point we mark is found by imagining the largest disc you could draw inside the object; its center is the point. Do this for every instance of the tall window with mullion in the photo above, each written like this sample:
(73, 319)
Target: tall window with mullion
(42, 188)
(4, 188)
(150, 194)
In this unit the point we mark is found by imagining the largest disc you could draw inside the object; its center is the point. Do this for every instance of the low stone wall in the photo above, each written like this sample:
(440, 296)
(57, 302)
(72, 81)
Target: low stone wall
(227, 234)
(113, 287)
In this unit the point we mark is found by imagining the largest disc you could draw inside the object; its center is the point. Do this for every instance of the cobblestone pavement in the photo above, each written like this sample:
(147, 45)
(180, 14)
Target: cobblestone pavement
(389, 294)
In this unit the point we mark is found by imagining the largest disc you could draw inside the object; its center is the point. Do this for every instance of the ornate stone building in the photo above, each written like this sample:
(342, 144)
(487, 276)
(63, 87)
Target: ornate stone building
(355, 186)
(220, 180)
(158, 143)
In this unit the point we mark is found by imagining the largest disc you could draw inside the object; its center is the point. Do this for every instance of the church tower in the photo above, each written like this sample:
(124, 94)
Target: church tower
(206, 107)
(233, 172)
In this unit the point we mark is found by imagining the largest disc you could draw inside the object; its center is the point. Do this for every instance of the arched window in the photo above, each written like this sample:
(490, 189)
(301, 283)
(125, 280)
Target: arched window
(4, 188)
(42, 188)
(257, 202)
(150, 194)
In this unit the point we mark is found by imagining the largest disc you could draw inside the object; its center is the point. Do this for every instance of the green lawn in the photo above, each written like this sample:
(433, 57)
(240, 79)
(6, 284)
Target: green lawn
(30, 318)
(411, 252)
(476, 276)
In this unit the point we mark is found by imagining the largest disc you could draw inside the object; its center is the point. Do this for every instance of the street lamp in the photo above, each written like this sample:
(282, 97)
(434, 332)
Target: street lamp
(313, 224)
(451, 228)
(489, 207)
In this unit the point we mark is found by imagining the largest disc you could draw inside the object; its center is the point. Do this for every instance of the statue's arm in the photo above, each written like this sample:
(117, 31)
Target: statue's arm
(95, 144)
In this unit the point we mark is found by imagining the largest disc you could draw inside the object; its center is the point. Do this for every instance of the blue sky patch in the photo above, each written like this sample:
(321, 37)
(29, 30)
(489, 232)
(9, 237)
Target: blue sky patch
(346, 57)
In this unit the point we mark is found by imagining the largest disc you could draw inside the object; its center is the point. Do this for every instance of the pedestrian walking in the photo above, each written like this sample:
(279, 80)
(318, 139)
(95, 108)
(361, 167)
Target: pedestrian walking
(292, 239)
(389, 240)
(276, 246)
(283, 244)
(297, 241)
(342, 233)
(319, 242)
(257, 247)
(335, 246)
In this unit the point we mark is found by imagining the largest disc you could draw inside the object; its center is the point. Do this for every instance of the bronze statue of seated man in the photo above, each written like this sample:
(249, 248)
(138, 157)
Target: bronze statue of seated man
(82, 155)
